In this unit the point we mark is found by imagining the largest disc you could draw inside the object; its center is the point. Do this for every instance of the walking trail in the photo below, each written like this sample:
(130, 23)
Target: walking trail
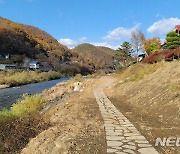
(121, 135)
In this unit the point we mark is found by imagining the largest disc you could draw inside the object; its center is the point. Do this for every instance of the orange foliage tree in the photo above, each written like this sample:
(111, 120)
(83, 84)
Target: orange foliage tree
(152, 45)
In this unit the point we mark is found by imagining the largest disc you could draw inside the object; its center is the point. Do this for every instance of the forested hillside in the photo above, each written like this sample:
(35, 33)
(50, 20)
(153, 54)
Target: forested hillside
(22, 42)
(101, 57)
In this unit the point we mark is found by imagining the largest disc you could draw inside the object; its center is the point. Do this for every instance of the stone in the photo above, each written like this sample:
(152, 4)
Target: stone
(142, 141)
(120, 127)
(131, 134)
(132, 128)
(114, 138)
(127, 125)
(129, 151)
(147, 151)
(144, 145)
(131, 143)
(118, 130)
(111, 150)
(130, 147)
(136, 138)
(114, 143)
(109, 132)
(109, 122)
(119, 148)
(109, 125)
(125, 141)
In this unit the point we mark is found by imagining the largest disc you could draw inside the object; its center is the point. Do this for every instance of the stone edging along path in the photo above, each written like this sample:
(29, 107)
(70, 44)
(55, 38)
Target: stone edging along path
(121, 135)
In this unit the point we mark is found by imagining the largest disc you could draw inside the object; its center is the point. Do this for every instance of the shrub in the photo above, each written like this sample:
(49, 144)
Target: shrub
(167, 55)
(173, 40)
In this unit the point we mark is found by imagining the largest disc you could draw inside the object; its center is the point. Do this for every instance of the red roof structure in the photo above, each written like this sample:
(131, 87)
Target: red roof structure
(177, 27)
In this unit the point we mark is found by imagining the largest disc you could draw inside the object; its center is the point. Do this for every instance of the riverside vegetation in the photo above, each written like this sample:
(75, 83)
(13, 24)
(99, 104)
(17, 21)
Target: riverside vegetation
(11, 78)
(22, 122)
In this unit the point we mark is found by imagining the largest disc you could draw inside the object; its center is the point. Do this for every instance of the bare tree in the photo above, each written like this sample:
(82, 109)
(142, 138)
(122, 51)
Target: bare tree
(26, 62)
(137, 41)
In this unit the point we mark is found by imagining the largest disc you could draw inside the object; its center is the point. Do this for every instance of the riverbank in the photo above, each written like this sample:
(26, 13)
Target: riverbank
(4, 86)
(148, 95)
(12, 78)
(8, 96)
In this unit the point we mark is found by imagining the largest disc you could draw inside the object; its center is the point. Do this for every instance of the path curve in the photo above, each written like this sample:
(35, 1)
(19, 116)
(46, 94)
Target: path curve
(121, 135)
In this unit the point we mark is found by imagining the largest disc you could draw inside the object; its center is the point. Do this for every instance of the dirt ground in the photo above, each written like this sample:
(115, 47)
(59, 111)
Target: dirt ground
(77, 126)
(152, 104)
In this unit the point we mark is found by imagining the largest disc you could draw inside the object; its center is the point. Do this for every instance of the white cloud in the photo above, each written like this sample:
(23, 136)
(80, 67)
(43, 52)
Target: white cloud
(72, 43)
(163, 26)
(68, 42)
(105, 44)
(159, 15)
(82, 39)
(121, 33)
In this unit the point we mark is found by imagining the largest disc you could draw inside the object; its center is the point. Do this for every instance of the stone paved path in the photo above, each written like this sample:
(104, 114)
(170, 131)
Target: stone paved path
(121, 135)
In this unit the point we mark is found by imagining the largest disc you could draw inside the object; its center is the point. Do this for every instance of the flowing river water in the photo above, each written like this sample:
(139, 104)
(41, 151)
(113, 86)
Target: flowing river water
(10, 95)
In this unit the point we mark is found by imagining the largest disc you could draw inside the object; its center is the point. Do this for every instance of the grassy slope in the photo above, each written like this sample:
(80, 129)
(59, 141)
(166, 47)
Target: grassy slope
(149, 95)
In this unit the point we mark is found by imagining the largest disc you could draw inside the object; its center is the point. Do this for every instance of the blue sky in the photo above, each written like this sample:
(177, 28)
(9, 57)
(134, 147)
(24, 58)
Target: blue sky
(100, 22)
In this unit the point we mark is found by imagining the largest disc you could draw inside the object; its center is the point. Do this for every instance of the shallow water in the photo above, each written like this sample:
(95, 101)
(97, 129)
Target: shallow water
(10, 95)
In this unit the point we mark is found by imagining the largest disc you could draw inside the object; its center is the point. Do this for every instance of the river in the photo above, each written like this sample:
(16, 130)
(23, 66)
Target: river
(9, 96)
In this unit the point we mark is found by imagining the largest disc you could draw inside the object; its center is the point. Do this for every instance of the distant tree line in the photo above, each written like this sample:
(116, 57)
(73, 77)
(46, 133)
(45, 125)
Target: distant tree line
(149, 46)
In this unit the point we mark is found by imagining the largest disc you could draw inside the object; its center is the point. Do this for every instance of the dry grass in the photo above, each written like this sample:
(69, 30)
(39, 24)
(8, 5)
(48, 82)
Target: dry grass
(16, 78)
(139, 71)
(77, 78)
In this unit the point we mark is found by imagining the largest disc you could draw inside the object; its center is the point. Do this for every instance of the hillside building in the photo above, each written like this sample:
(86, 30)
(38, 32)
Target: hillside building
(177, 29)
(34, 65)
(7, 66)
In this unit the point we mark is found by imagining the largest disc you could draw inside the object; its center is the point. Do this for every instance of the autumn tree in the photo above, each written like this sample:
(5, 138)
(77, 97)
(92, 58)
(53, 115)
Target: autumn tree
(152, 45)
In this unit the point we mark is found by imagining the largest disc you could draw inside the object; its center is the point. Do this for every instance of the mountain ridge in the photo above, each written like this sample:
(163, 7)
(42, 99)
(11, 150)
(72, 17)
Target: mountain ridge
(23, 42)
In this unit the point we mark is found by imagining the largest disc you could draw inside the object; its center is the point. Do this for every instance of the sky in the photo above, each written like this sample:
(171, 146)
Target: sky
(99, 22)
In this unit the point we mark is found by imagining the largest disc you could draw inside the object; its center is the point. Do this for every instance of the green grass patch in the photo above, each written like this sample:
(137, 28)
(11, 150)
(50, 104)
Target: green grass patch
(23, 107)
